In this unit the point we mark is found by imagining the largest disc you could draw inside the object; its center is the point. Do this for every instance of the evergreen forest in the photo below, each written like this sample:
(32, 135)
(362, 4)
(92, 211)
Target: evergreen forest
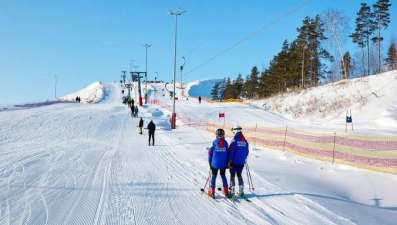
(305, 61)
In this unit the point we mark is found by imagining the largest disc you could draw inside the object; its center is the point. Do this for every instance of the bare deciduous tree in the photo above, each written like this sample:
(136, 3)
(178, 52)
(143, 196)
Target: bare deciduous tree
(336, 26)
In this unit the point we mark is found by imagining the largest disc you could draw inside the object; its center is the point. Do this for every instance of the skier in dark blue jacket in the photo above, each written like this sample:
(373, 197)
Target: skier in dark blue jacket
(238, 152)
(151, 127)
(217, 158)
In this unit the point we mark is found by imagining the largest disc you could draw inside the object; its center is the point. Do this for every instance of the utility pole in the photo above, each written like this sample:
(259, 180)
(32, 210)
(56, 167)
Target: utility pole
(135, 87)
(146, 46)
(155, 82)
(184, 61)
(123, 72)
(131, 65)
(123, 75)
(126, 85)
(56, 77)
(176, 14)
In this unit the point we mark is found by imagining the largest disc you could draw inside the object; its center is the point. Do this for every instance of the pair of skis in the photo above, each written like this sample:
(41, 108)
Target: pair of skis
(233, 198)
(206, 194)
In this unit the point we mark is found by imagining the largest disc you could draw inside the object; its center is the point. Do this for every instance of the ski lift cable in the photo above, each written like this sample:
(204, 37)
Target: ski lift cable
(249, 36)
(226, 25)
(216, 32)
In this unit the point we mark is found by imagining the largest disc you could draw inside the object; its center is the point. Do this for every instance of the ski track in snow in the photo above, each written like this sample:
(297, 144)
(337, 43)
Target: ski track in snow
(87, 164)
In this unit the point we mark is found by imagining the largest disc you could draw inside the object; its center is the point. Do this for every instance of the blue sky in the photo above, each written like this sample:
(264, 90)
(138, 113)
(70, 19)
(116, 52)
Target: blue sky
(81, 42)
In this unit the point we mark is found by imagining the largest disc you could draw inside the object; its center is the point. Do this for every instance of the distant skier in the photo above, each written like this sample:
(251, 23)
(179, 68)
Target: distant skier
(199, 98)
(238, 152)
(151, 127)
(129, 100)
(136, 111)
(140, 125)
(217, 158)
(132, 111)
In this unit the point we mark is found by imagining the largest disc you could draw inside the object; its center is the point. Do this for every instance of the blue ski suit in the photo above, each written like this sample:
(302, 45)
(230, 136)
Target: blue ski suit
(217, 153)
(238, 150)
(217, 158)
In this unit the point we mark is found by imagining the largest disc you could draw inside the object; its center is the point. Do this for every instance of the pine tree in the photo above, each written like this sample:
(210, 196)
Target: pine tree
(222, 87)
(251, 84)
(215, 91)
(228, 91)
(233, 89)
(283, 62)
(346, 65)
(310, 36)
(293, 78)
(381, 19)
(391, 60)
(272, 79)
(365, 27)
(238, 87)
(265, 84)
(303, 42)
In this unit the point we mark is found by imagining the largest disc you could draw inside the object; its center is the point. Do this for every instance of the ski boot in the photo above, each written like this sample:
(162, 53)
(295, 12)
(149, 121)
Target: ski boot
(241, 191)
(211, 192)
(226, 192)
(231, 192)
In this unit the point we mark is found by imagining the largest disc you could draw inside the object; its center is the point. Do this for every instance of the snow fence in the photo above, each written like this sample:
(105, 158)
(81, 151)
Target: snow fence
(376, 153)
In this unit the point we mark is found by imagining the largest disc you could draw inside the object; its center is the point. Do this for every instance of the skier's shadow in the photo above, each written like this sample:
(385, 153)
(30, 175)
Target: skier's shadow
(251, 196)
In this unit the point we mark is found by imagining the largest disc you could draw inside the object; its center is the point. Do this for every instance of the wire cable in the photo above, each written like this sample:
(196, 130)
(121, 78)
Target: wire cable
(249, 36)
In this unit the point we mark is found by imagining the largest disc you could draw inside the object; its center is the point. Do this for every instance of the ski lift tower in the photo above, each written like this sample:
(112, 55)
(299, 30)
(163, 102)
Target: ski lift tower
(136, 76)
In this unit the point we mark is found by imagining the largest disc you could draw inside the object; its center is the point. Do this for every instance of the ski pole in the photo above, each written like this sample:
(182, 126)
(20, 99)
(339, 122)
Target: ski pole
(248, 177)
(209, 177)
(251, 184)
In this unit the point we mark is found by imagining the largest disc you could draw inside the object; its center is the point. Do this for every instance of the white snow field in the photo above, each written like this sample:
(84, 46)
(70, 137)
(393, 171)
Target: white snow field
(70, 163)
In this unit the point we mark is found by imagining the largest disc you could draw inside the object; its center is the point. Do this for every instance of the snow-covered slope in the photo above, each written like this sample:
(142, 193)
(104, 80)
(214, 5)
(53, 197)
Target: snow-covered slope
(76, 163)
(369, 100)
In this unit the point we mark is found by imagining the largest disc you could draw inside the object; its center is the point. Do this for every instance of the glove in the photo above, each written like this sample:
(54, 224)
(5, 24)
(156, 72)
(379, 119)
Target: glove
(229, 165)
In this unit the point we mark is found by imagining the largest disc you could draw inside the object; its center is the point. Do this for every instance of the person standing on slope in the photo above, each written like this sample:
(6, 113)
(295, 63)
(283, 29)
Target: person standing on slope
(129, 100)
(136, 111)
(217, 158)
(238, 152)
(151, 127)
(132, 111)
(140, 125)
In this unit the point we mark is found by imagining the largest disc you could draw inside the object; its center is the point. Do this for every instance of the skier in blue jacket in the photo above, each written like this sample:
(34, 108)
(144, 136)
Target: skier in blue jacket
(238, 152)
(217, 158)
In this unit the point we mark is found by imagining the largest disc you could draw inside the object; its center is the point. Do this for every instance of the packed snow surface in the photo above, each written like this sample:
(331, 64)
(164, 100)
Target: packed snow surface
(68, 163)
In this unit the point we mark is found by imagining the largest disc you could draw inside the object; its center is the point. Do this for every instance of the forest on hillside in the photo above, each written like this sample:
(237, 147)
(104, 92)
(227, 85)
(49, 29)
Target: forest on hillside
(305, 62)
